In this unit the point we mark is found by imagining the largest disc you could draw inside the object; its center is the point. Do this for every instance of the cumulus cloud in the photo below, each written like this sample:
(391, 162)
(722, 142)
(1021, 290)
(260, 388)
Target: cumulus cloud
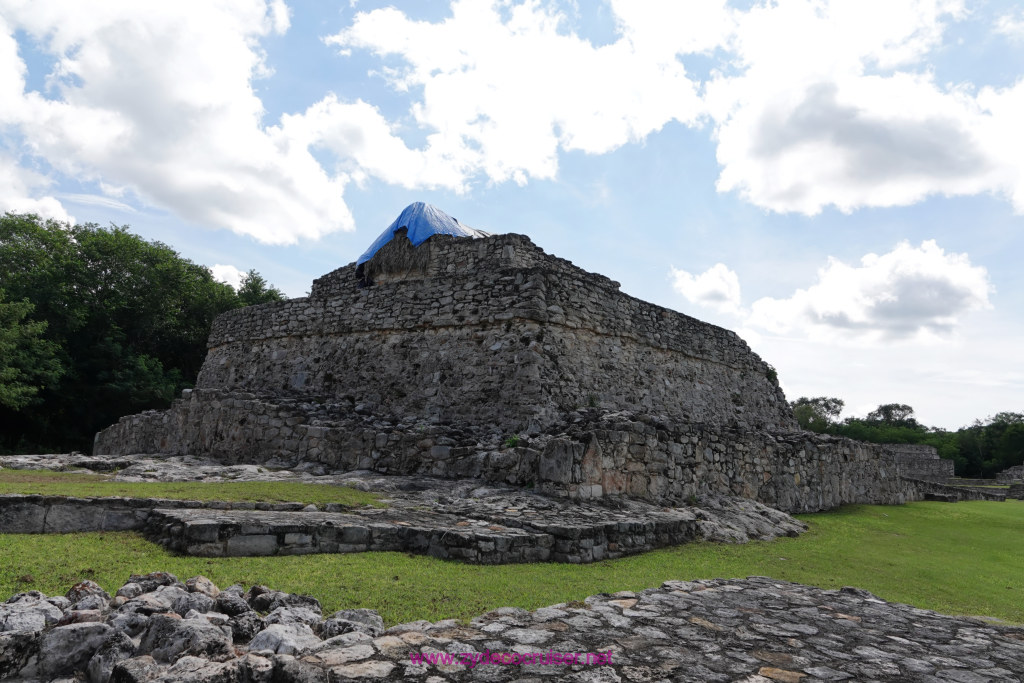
(909, 292)
(718, 287)
(505, 87)
(1011, 24)
(811, 103)
(25, 191)
(846, 111)
(160, 99)
(227, 274)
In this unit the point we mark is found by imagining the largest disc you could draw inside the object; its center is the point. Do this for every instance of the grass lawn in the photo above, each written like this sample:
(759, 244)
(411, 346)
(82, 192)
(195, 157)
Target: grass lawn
(50, 483)
(962, 558)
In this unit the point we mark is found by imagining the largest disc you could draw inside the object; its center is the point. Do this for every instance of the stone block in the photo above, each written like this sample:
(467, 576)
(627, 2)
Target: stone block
(251, 545)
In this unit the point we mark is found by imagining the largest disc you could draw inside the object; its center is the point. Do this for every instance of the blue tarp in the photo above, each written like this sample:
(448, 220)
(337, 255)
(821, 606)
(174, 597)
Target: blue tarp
(422, 221)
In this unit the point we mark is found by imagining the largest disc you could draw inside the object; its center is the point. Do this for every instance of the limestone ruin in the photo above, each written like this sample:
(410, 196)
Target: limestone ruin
(489, 358)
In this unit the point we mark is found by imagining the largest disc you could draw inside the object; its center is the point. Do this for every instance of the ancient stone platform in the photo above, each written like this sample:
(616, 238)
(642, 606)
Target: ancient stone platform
(491, 359)
(754, 630)
(466, 520)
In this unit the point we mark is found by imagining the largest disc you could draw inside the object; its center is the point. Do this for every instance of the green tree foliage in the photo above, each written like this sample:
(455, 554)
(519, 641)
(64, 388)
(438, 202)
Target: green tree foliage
(978, 450)
(893, 415)
(817, 414)
(28, 362)
(128, 319)
(254, 290)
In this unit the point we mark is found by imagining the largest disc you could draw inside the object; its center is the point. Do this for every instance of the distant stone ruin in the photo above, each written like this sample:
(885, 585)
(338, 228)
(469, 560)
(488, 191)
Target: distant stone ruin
(489, 358)
(1011, 475)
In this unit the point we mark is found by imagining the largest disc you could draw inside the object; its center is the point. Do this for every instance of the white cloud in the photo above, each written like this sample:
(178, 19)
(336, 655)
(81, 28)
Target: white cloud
(227, 274)
(97, 200)
(909, 292)
(846, 111)
(1011, 25)
(814, 103)
(364, 143)
(503, 88)
(159, 98)
(718, 287)
(24, 191)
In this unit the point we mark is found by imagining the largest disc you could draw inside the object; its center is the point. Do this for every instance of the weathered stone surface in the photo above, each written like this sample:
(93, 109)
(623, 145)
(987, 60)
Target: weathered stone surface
(292, 615)
(284, 639)
(153, 580)
(66, 649)
(245, 625)
(162, 599)
(135, 670)
(201, 584)
(344, 621)
(754, 630)
(28, 612)
(17, 649)
(231, 604)
(268, 600)
(168, 638)
(87, 589)
(116, 648)
(612, 396)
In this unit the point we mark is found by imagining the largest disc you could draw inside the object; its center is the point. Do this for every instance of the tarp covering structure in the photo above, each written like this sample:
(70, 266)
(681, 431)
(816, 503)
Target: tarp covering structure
(421, 221)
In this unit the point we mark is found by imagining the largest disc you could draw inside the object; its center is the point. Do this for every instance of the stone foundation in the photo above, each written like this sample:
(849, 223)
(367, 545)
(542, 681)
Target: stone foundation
(596, 455)
(1011, 475)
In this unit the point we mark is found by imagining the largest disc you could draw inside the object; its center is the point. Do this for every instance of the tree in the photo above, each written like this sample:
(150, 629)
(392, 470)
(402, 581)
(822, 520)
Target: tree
(128, 320)
(817, 414)
(28, 362)
(255, 290)
(894, 415)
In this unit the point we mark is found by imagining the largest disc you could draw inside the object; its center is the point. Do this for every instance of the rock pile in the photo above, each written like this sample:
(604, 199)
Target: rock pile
(757, 630)
(158, 628)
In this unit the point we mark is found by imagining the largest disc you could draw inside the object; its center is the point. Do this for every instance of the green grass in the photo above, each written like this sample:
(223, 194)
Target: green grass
(961, 558)
(82, 485)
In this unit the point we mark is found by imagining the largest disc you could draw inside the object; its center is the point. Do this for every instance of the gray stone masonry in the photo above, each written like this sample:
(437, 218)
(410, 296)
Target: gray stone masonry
(919, 461)
(157, 629)
(495, 332)
(593, 454)
(488, 358)
(465, 520)
(1010, 475)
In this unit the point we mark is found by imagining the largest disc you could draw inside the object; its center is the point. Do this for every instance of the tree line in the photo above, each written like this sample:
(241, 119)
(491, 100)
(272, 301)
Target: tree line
(97, 323)
(978, 450)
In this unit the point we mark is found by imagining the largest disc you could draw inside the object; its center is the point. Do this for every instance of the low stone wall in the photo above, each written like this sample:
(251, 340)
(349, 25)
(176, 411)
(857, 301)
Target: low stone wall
(597, 455)
(242, 428)
(958, 492)
(1016, 491)
(918, 461)
(793, 472)
(500, 526)
(35, 514)
(970, 481)
(1011, 475)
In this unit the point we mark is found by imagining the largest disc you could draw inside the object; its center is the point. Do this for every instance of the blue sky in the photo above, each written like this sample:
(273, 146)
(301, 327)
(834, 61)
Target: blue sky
(842, 183)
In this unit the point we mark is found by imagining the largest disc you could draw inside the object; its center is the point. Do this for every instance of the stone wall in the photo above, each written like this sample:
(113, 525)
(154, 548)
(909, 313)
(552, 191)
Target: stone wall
(1010, 475)
(670, 464)
(489, 358)
(933, 490)
(38, 514)
(492, 331)
(595, 455)
(918, 461)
